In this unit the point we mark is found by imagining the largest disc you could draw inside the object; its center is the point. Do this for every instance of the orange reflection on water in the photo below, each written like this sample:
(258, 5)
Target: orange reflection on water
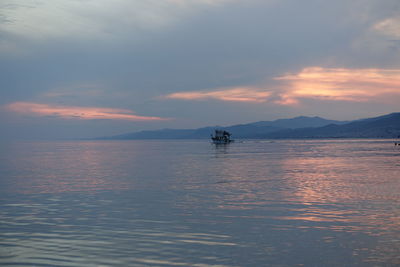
(338, 179)
(357, 186)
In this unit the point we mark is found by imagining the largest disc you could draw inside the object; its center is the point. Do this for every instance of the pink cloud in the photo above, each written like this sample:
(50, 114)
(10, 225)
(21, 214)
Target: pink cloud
(333, 84)
(237, 94)
(340, 84)
(73, 112)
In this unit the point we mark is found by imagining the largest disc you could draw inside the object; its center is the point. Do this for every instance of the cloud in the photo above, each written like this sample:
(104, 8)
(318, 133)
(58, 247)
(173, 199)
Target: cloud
(389, 27)
(100, 19)
(340, 84)
(77, 90)
(220, 53)
(237, 94)
(74, 112)
(332, 84)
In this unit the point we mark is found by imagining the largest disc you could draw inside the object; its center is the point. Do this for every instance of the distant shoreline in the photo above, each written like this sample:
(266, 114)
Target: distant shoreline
(383, 127)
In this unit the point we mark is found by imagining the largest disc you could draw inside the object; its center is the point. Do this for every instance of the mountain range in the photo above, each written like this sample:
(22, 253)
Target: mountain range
(387, 126)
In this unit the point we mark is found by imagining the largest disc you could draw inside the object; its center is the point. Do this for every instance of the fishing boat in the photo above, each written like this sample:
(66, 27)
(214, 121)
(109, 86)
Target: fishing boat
(221, 137)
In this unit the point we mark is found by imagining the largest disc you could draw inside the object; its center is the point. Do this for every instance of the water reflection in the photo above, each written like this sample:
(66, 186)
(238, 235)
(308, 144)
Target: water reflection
(190, 203)
(353, 189)
(68, 232)
(350, 187)
(221, 150)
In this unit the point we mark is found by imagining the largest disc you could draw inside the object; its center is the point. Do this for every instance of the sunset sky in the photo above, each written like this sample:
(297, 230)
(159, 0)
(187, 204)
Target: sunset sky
(87, 68)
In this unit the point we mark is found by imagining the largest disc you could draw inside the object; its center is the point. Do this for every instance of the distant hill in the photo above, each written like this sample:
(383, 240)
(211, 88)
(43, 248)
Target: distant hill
(261, 129)
(387, 126)
(297, 122)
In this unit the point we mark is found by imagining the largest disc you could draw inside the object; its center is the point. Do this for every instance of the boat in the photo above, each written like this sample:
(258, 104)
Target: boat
(221, 137)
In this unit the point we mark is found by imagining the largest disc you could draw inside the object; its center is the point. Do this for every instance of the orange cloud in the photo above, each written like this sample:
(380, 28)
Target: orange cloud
(72, 112)
(334, 84)
(340, 84)
(238, 94)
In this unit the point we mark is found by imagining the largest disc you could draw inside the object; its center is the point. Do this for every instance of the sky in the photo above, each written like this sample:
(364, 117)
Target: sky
(89, 68)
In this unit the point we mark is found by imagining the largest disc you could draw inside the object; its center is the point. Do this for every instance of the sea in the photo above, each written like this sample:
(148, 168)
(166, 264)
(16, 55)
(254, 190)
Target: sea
(193, 203)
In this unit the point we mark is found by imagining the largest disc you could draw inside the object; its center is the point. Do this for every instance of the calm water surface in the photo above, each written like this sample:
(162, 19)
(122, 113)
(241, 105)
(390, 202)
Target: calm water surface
(191, 203)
